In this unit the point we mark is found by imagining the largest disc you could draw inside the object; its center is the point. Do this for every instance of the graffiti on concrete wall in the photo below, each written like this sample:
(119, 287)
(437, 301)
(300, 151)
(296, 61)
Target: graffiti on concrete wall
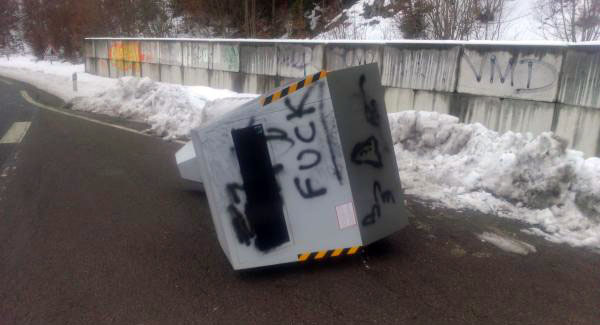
(343, 57)
(523, 75)
(298, 61)
(232, 57)
(150, 51)
(293, 57)
(196, 54)
(226, 57)
(122, 54)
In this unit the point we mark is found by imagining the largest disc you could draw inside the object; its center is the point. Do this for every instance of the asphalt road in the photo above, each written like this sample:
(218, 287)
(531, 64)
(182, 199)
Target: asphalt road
(96, 227)
(12, 109)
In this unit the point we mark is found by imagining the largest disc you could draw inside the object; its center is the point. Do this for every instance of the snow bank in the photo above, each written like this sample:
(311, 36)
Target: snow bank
(171, 110)
(518, 176)
(54, 77)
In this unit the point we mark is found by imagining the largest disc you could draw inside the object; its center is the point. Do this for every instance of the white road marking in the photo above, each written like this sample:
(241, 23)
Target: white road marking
(32, 101)
(16, 132)
(6, 81)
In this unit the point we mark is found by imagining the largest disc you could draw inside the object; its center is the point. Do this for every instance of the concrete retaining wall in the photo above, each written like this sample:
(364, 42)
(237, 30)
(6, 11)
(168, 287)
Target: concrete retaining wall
(505, 86)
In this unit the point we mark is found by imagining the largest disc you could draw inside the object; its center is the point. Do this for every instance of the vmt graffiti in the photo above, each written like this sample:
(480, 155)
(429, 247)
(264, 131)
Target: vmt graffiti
(522, 82)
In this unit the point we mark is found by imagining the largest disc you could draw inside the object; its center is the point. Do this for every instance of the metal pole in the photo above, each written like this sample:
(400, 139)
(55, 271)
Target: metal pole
(75, 81)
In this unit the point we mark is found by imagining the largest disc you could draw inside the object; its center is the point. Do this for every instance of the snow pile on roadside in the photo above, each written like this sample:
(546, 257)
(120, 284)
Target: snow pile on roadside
(53, 77)
(518, 176)
(352, 24)
(171, 110)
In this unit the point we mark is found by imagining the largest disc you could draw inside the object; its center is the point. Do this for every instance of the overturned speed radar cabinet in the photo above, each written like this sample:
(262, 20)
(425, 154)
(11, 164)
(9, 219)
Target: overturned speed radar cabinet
(305, 172)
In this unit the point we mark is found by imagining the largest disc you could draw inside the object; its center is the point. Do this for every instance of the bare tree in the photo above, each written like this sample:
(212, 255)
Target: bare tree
(454, 19)
(569, 20)
(9, 20)
(492, 19)
(413, 21)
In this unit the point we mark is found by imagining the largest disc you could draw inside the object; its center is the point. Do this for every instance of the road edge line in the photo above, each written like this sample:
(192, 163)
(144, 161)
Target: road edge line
(16, 132)
(32, 101)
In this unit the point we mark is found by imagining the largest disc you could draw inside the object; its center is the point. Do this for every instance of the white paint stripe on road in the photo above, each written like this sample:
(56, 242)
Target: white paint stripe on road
(6, 81)
(16, 132)
(32, 101)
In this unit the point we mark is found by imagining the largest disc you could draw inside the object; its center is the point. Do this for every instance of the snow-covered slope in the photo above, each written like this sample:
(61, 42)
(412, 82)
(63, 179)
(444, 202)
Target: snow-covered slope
(352, 24)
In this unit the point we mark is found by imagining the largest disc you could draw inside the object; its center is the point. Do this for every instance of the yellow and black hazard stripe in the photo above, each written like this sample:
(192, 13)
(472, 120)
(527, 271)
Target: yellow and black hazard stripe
(293, 88)
(325, 254)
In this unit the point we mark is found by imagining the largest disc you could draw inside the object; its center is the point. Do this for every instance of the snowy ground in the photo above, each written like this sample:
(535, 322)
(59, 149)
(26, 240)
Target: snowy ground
(357, 27)
(512, 175)
(53, 77)
(520, 23)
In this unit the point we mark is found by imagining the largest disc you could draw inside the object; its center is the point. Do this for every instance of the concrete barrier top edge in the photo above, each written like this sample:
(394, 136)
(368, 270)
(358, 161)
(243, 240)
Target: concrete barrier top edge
(371, 42)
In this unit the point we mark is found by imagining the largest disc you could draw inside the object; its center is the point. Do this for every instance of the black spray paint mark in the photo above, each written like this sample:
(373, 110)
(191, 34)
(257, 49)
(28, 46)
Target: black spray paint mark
(328, 136)
(378, 196)
(309, 193)
(299, 111)
(314, 153)
(370, 106)
(367, 153)
(264, 204)
(494, 66)
(372, 217)
(386, 197)
(311, 137)
(240, 226)
(275, 134)
(277, 168)
(531, 63)
(251, 121)
(232, 190)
